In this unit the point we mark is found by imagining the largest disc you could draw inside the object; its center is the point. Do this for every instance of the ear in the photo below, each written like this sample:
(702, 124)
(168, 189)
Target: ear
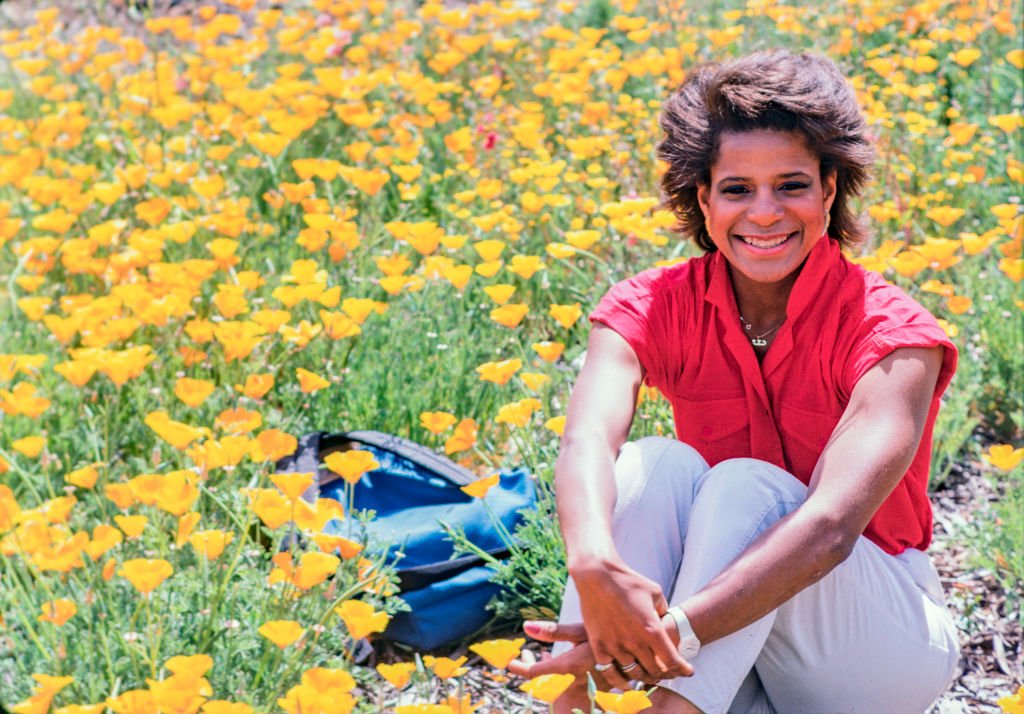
(703, 193)
(828, 189)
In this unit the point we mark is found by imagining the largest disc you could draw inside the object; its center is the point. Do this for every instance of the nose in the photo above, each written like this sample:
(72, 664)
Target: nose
(765, 209)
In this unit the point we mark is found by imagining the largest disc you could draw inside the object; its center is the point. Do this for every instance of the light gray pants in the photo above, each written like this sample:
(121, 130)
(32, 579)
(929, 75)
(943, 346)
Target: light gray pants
(872, 636)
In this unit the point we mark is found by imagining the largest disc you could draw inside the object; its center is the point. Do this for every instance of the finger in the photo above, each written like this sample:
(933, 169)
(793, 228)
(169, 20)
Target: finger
(661, 604)
(673, 664)
(547, 631)
(649, 667)
(613, 679)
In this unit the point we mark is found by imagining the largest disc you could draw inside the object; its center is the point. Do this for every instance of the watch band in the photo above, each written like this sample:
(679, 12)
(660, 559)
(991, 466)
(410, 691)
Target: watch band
(689, 645)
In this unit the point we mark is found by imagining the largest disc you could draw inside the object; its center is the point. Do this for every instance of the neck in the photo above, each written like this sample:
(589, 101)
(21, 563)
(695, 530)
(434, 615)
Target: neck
(763, 305)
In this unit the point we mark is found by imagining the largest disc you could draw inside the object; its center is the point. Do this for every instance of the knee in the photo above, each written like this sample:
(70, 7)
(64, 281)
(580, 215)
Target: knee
(746, 483)
(655, 467)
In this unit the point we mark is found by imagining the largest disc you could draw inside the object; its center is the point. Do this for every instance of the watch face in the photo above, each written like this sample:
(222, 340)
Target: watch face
(689, 648)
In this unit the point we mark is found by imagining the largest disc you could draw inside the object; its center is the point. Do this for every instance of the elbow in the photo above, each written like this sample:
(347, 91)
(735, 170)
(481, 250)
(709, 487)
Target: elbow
(833, 544)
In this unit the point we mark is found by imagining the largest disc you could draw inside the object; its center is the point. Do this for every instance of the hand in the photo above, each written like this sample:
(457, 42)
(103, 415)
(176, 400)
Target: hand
(577, 661)
(622, 612)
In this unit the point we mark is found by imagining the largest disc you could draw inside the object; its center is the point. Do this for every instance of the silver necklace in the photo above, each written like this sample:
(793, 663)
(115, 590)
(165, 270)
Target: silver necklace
(758, 340)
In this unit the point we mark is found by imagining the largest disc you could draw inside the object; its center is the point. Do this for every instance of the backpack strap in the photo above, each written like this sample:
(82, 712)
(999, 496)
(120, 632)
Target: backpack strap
(420, 455)
(305, 459)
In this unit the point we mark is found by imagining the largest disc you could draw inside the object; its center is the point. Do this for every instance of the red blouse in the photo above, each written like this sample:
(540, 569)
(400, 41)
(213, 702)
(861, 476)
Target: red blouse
(683, 324)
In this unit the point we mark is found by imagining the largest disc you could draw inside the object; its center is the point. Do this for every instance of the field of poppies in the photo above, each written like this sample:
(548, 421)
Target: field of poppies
(228, 225)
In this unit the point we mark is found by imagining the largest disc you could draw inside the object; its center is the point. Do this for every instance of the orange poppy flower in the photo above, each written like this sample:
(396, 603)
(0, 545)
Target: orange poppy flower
(145, 574)
(480, 487)
(463, 438)
(398, 675)
(498, 653)
(548, 687)
(310, 382)
(282, 632)
(58, 611)
(352, 464)
(436, 422)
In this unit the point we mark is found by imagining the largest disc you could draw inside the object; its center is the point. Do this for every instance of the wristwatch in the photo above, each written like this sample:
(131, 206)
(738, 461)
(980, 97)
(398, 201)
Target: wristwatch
(689, 645)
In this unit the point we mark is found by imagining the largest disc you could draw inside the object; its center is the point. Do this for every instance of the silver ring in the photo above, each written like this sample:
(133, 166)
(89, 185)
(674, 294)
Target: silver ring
(598, 667)
(629, 667)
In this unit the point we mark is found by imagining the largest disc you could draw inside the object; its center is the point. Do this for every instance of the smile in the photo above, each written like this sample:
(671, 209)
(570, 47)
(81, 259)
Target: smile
(767, 242)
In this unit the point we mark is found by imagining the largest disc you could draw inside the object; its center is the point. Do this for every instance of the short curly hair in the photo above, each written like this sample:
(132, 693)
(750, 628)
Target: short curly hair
(776, 90)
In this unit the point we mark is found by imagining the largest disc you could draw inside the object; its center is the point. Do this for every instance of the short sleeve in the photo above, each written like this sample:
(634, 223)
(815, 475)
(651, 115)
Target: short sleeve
(636, 310)
(895, 321)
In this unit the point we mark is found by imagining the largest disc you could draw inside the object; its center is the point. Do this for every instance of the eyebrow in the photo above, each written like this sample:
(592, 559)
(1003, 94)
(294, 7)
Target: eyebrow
(791, 174)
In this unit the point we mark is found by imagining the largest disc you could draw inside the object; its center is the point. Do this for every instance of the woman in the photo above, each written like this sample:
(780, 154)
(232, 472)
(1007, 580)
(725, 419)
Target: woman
(772, 559)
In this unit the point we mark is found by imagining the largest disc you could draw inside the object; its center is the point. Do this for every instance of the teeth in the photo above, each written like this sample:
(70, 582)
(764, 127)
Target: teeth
(765, 243)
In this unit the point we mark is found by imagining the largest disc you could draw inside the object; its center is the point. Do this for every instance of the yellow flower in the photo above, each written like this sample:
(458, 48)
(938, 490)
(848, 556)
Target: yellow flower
(500, 293)
(566, 315)
(436, 422)
(534, 380)
(629, 702)
(444, 667)
(548, 687)
(361, 619)
(256, 385)
(549, 351)
(480, 487)
(498, 653)
(210, 543)
(499, 372)
(104, 537)
(145, 574)
(352, 464)
(398, 675)
(966, 56)
(310, 382)
(582, 240)
(29, 446)
(510, 315)
(193, 391)
(273, 445)
(556, 424)
(517, 413)
(292, 485)
(525, 265)
(1004, 456)
(282, 632)
(84, 477)
(1013, 704)
(270, 507)
(463, 438)
(58, 611)
(945, 216)
(132, 526)
(175, 433)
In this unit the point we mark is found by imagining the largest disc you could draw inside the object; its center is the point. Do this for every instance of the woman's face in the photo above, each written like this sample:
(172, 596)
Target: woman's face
(766, 204)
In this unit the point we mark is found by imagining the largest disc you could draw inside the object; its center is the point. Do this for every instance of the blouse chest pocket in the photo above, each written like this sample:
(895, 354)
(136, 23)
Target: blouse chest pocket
(811, 428)
(709, 421)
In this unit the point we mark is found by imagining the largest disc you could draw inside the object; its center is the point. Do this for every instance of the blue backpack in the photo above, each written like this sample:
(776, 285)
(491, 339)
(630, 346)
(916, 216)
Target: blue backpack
(414, 492)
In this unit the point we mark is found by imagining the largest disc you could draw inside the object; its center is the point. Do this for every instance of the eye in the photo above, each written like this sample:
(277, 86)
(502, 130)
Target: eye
(793, 186)
(734, 190)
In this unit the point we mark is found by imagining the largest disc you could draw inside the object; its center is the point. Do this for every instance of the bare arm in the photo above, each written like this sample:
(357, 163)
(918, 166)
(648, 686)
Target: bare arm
(621, 608)
(867, 455)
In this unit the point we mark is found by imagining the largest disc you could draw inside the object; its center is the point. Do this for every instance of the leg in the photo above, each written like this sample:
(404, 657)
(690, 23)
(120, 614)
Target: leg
(656, 481)
(871, 636)
(740, 499)
(868, 637)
